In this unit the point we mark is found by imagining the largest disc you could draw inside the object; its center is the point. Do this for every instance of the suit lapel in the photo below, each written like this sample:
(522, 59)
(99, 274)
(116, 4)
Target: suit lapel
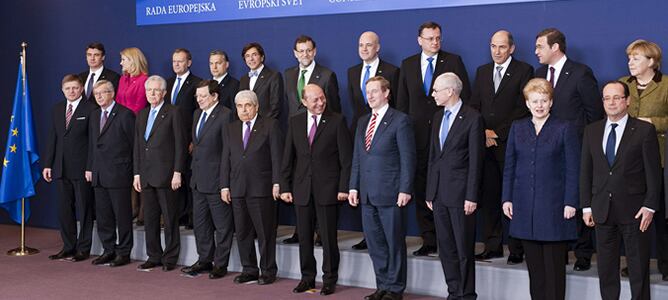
(186, 83)
(158, 119)
(381, 125)
(598, 136)
(321, 126)
(505, 78)
(315, 76)
(75, 114)
(455, 128)
(110, 118)
(626, 136)
(210, 120)
(261, 80)
(564, 75)
(259, 124)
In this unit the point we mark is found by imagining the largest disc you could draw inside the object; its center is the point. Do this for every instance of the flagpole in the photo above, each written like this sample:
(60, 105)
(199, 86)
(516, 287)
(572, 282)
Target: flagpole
(23, 250)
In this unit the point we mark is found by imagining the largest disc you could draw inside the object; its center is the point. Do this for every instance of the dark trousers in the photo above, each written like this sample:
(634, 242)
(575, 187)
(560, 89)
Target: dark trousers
(424, 215)
(584, 246)
(161, 201)
(636, 246)
(185, 196)
(385, 234)
(661, 234)
(113, 208)
(547, 271)
(214, 228)
(256, 217)
(327, 216)
(489, 210)
(76, 196)
(456, 242)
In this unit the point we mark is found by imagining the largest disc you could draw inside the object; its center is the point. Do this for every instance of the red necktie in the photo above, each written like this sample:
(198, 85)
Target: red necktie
(552, 76)
(68, 116)
(369, 132)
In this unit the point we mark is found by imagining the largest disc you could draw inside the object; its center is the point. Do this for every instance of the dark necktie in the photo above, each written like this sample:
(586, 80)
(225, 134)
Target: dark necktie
(428, 76)
(91, 83)
(552, 82)
(103, 120)
(610, 145)
(201, 124)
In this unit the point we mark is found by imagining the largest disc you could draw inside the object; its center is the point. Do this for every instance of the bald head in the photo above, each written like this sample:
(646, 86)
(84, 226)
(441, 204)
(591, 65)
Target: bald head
(368, 46)
(501, 46)
(314, 99)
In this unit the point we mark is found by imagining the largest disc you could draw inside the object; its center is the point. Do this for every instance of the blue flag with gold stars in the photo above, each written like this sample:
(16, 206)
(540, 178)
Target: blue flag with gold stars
(20, 166)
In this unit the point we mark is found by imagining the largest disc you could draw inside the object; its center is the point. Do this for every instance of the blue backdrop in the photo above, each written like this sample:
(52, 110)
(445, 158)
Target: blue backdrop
(57, 32)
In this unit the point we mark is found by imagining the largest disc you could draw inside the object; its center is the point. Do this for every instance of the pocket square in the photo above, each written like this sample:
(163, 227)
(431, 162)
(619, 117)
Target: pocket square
(81, 118)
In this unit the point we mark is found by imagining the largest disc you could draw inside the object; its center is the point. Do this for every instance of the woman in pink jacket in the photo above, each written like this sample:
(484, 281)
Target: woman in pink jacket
(131, 92)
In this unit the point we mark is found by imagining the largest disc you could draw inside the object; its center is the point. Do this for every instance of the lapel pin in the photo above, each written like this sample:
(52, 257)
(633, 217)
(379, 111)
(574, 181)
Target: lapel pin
(317, 76)
(507, 74)
(460, 117)
(323, 120)
(384, 123)
(380, 71)
(566, 73)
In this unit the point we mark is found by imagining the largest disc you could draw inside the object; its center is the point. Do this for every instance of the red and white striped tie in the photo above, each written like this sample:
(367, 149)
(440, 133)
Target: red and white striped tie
(68, 116)
(369, 132)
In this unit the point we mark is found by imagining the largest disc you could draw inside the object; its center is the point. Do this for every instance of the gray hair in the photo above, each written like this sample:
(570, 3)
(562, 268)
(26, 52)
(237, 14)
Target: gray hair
(163, 83)
(451, 80)
(246, 95)
(102, 82)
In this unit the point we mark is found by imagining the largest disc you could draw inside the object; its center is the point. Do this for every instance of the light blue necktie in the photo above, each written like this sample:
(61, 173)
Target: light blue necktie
(201, 124)
(367, 73)
(149, 124)
(428, 75)
(610, 145)
(445, 127)
(176, 91)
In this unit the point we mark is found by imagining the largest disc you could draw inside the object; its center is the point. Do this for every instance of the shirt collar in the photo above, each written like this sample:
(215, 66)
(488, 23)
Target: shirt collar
(210, 109)
(184, 76)
(220, 79)
(621, 123)
(454, 109)
(560, 63)
(374, 63)
(425, 56)
(309, 68)
(109, 108)
(157, 108)
(505, 64)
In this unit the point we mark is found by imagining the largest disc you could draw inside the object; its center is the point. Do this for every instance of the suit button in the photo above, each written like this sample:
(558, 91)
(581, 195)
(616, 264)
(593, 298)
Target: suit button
(610, 173)
(491, 114)
(243, 156)
(610, 195)
(146, 149)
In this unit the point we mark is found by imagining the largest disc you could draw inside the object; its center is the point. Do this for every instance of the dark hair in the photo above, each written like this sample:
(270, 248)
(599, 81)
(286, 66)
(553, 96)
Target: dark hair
(249, 46)
(219, 52)
(430, 25)
(96, 45)
(184, 50)
(303, 39)
(71, 77)
(627, 93)
(554, 36)
(211, 84)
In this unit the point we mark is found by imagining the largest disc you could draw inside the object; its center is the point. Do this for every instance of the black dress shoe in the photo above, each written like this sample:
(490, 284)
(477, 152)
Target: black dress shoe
(318, 241)
(197, 267)
(266, 279)
(515, 259)
(425, 251)
(377, 295)
(217, 272)
(328, 289)
(244, 277)
(61, 255)
(104, 259)
(139, 223)
(168, 267)
(486, 255)
(149, 265)
(582, 264)
(361, 245)
(120, 260)
(625, 272)
(291, 240)
(392, 296)
(303, 286)
(80, 256)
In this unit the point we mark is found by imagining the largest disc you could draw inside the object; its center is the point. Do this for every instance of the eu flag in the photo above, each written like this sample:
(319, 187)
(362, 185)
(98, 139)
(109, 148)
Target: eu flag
(20, 166)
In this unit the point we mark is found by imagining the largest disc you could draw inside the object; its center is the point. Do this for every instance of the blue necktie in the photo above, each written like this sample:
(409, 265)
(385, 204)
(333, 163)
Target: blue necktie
(252, 74)
(445, 127)
(149, 124)
(428, 75)
(176, 91)
(201, 124)
(610, 145)
(367, 73)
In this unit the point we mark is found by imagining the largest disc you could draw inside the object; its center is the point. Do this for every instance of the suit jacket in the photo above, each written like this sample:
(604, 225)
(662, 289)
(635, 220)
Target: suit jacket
(186, 101)
(455, 172)
(388, 168)
(576, 95)
(617, 192)
(412, 100)
(229, 87)
(359, 105)
(541, 177)
(208, 149)
(107, 74)
(323, 77)
(156, 159)
(322, 169)
(67, 148)
(110, 150)
(269, 90)
(253, 171)
(499, 109)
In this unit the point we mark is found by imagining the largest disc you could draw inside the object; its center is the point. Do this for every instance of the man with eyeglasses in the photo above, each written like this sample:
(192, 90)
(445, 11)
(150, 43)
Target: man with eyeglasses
(415, 98)
(265, 82)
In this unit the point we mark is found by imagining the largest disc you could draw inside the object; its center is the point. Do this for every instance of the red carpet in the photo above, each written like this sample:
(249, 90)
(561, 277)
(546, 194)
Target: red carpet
(37, 277)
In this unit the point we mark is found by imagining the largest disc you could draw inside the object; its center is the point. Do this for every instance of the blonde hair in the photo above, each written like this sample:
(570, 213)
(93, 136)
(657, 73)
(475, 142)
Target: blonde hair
(139, 64)
(647, 49)
(538, 85)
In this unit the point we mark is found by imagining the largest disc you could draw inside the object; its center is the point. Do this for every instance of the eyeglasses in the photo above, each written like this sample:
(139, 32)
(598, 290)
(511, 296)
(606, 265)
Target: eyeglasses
(614, 98)
(432, 39)
(154, 90)
(100, 93)
(305, 51)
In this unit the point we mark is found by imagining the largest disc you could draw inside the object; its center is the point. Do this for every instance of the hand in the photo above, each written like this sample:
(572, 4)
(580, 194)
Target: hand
(648, 120)
(508, 209)
(89, 176)
(342, 196)
(286, 197)
(569, 212)
(490, 134)
(588, 219)
(176, 181)
(225, 196)
(276, 192)
(489, 142)
(646, 218)
(136, 183)
(469, 207)
(430, 204)
(403, 199)
(190, 148)
(352, 199)
(46, 173)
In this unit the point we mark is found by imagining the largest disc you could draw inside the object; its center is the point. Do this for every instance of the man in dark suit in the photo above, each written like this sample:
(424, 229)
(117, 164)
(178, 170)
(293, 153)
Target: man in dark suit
(576, 99)
(95, 54)
(453, 183)
(315, 174)
(210, 214)
(497, 94)
(249, 177)
(620, 187)
(384, 138)
(414, 98)
(228, 86)
(65, 161)
(181, 94)
(265, 82)
(159, 161)
(109, 169)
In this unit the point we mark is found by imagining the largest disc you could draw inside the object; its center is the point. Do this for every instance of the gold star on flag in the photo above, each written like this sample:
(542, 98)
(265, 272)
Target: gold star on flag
(5, 162)
(12, 148)
(15, 132)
